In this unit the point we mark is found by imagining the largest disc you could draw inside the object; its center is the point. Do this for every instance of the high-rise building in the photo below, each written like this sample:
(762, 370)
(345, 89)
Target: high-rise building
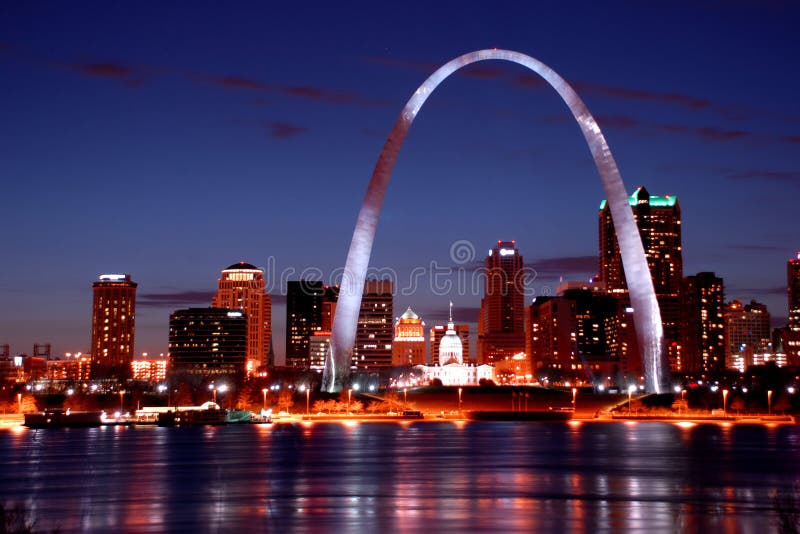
(319, 344)
(113, 318)
(501, 324)
(747, 330)
(309, 308)
(659, 221)
(207, 342)
(437, 332)
(374, 331)
(329, 310)
(703, 324)
(574, 336)
(242, 287)
(408, 347)
(791, 340)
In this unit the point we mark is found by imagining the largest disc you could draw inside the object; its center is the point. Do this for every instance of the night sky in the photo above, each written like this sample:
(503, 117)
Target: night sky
(170, 140)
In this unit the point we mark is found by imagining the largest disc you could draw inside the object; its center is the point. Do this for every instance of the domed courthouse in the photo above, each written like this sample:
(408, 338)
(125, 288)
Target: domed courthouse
(451, 369)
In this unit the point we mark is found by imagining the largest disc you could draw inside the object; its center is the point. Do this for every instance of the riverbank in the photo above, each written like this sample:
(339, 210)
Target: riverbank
(11, 420)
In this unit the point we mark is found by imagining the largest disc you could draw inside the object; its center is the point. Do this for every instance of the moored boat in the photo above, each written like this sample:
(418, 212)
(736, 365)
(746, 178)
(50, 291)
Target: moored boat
(63, 419)
(238, 416)
(211, 416)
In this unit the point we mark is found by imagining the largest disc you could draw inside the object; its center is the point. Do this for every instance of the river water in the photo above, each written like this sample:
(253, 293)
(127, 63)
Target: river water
(409, 477)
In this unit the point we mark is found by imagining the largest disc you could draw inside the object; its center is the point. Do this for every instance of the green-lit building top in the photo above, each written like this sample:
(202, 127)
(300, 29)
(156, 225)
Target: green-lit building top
(655, 201)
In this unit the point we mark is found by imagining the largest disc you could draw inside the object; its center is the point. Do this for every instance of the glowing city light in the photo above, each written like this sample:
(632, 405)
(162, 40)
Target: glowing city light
(112, 277)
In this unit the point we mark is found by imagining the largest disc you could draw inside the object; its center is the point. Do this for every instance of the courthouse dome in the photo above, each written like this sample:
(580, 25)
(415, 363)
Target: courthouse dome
(451, 350)
(242, 265)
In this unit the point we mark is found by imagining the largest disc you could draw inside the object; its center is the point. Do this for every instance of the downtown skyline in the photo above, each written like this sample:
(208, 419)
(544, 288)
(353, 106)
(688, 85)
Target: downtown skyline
(170, 166)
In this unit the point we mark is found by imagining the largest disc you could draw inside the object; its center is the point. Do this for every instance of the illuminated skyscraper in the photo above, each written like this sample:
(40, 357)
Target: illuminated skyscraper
(408, 347)
(501, 324)
(791, 342)
(747, 330)
(242, 287)
(308, 310)
(703, 324)
(374, 332)
(659, 222)
(113, 319)
(207, 342)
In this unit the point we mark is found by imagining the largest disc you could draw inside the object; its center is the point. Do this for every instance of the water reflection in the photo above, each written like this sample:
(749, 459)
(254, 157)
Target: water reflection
(411, 477)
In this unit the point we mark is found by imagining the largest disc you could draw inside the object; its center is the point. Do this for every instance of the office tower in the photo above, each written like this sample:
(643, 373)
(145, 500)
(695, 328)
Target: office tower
(659, 222)
(113, 318)
(408, 347)
(319, 343)
(703, 324)
(207, 342)
(574, 336)
(242, 287)
(501, 324)
(329, 310)
(374, 331)
(308, 310)
(747, 330)
(437, 332)
(791, 339)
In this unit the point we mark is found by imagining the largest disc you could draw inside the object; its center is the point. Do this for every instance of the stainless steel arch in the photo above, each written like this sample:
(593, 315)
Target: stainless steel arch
(647, 316)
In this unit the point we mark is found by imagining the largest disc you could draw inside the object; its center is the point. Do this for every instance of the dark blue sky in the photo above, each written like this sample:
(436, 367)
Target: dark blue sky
(169, 141)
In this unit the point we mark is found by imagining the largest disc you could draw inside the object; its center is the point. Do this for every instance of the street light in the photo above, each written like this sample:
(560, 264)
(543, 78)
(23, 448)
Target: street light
(631, 389)
(724, 401)
(769, 402)
(574, 395)
(121, 393)
(308, 401)
(459, 401)
(213, 393)
(264, 405)
(349, 393)
(19, 401)
(405, 398)
(222, 389)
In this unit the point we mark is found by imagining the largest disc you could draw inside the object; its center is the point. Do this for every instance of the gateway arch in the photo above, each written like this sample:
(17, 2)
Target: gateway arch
(646, 314)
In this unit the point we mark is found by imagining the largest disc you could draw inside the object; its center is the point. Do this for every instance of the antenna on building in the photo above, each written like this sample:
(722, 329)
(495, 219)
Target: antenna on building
(451, 311)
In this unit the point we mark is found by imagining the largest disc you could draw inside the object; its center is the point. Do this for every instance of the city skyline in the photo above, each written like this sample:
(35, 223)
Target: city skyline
(114, 127)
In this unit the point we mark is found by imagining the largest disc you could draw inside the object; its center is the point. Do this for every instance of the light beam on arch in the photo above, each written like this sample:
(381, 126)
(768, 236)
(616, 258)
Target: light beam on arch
(646, 314)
